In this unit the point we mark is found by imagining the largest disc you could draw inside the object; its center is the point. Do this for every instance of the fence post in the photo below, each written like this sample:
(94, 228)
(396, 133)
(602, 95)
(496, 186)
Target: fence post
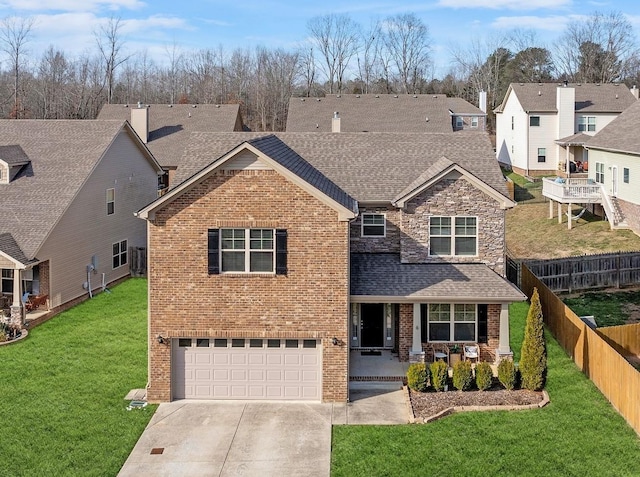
(570, 274)
(618, 270)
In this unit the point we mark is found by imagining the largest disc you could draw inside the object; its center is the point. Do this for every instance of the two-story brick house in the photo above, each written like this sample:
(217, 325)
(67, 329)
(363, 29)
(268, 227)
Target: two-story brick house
(277, 254)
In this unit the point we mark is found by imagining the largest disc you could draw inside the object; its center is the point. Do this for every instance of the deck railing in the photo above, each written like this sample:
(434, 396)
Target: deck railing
(574, 190)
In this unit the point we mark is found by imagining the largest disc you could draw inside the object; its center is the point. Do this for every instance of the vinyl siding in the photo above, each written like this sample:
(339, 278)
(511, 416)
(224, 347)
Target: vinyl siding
(628, 192)
(516, 137)
(543, 136)
(5, 263)
(85, 229)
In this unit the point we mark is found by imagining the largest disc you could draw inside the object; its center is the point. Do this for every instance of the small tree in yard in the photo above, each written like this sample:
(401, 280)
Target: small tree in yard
(533, 355)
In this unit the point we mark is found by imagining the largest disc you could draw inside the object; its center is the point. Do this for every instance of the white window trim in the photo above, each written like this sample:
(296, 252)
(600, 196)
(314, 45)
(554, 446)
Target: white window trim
(583, 122)
(540, 155)
(534, 125)
(111, 201)
(474, 121)
(599, 173)
(452, 322)
(119, 242)
(384, 225)
(247, 252)
(453, 235)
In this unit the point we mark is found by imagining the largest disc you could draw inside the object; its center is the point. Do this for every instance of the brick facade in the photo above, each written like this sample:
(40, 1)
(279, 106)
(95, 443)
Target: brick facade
(405, 331)
(453, 197)
(631, 213)
(311, 301)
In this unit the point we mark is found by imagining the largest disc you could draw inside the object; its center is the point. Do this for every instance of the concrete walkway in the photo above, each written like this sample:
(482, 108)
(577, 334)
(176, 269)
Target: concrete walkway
(247, 438)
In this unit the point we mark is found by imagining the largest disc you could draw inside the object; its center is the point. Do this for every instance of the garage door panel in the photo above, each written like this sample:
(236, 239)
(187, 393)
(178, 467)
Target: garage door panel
(256, 371)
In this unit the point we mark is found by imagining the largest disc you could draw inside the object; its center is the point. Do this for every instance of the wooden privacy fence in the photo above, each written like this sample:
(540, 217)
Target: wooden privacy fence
(138, 261)
(616, 378)
(588, 271)
(624, 338)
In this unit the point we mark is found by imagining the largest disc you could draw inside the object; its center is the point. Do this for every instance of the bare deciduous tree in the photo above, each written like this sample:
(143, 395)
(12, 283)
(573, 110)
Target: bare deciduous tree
(14, 34)
(601, 49)
(407, 40)
(110, 45)
(369, 55)
(336, 37)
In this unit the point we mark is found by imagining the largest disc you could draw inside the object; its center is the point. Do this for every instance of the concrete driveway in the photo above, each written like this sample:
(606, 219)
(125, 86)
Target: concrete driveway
(248, 438)
(217, 438)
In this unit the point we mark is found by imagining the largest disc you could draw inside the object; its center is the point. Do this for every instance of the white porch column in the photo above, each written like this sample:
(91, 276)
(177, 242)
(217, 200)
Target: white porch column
(569, 214)
(16, 288)
(416, 345)
(559, 212)
(551, 209)
(503, 347)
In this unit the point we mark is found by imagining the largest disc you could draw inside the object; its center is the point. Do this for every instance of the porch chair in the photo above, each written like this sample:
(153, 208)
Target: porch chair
(471, 352)
(441, 351)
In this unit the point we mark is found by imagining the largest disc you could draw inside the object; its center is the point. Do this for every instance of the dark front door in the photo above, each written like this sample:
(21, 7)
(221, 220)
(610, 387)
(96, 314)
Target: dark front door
(372, 325)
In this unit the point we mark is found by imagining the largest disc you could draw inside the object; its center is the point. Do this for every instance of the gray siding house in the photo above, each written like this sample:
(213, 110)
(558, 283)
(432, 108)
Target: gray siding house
(68, 191)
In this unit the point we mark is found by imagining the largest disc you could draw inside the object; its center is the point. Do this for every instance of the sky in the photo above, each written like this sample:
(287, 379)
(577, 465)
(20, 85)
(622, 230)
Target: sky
(161, 26)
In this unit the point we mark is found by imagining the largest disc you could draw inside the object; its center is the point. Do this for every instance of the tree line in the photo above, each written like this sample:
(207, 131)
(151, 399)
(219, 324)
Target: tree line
(393, 55)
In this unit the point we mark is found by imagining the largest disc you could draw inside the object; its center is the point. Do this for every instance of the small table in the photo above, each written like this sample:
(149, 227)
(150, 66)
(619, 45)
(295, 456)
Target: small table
(440, 355)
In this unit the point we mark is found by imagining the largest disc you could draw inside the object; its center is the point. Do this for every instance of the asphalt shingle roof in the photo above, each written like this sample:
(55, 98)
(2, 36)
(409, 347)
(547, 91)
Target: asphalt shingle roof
(621, 134)
(9, 246)
(277, 150)
(170, 126)
(367, 166)
(377, 113)
(590, 97)
(383, 274)
(13, 154)
(62, 154)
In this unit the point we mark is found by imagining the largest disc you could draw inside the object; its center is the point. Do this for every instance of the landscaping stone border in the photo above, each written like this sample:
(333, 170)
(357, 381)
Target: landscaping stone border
(23, 334)
(453, 409)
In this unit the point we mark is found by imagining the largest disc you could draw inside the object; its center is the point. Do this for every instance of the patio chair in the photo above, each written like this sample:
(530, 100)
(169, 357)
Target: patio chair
(471, 352)
(441, 351)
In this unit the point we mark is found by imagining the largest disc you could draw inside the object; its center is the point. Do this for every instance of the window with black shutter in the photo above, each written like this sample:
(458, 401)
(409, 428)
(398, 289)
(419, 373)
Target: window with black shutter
(212, 251)
(281, 252)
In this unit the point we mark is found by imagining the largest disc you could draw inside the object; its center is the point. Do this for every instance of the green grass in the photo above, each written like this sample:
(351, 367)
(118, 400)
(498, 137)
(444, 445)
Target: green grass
(63, 411)
(608, 309)
(577, 434)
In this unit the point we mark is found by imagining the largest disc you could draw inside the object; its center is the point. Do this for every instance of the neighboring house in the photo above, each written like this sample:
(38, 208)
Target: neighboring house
(68, 191)
(275, 255)
(384, 113)
(165, 128)
(541, 127)
(614, 154)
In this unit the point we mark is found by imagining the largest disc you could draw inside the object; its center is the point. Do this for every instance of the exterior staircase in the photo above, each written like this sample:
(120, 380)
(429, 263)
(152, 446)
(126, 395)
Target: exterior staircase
(614, 212)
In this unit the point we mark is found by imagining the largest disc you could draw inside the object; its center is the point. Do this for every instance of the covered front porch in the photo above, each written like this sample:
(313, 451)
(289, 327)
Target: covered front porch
(23, 294)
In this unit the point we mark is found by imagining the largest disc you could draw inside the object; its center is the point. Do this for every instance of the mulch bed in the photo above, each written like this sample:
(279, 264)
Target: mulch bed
(428, 404)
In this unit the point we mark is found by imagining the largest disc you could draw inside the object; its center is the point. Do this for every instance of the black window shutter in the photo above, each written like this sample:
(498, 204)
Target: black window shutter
(213, 255)
(281, 252)
(483, 316)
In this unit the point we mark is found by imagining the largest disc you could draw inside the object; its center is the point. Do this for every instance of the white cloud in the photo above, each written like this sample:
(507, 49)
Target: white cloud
(551, 23)
(71, 5)
(505, 4)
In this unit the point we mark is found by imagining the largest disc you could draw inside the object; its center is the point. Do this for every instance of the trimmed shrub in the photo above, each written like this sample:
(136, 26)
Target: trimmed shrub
(418, 377)
(507, 374)
(462, 375)
(533, 354)
(439, 375)
(484, 376)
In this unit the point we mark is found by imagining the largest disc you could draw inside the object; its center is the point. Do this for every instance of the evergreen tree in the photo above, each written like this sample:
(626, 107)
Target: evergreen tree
(533, 355)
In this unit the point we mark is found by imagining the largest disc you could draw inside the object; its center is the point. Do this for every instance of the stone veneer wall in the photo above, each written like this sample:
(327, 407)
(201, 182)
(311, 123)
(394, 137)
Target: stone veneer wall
(451, 197)
(311, 301)
(406, 331)
(631, 214)
(388, 244)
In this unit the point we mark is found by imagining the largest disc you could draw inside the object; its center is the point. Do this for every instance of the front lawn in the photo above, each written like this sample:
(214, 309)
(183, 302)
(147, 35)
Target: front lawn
(63, 410)
(578, 433)
(608, 309)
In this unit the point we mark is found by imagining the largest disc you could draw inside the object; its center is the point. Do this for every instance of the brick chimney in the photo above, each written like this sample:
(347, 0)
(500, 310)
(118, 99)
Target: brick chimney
(140, 121)
(335, 122)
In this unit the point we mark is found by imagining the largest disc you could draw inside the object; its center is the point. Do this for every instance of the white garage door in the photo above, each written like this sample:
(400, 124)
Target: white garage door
(217, 368)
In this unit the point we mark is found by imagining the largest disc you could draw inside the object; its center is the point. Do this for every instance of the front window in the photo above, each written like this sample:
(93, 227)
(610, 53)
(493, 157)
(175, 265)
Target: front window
(453, 236)
(247, 250)
(542, 154)
(534, 121)
(111, 201)
(625, 175)
(474, 121)
(452, 322)
(119, 254)
(459, 122)
(587, 123)
(600, 172)
(7, 280)
(373, 225)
